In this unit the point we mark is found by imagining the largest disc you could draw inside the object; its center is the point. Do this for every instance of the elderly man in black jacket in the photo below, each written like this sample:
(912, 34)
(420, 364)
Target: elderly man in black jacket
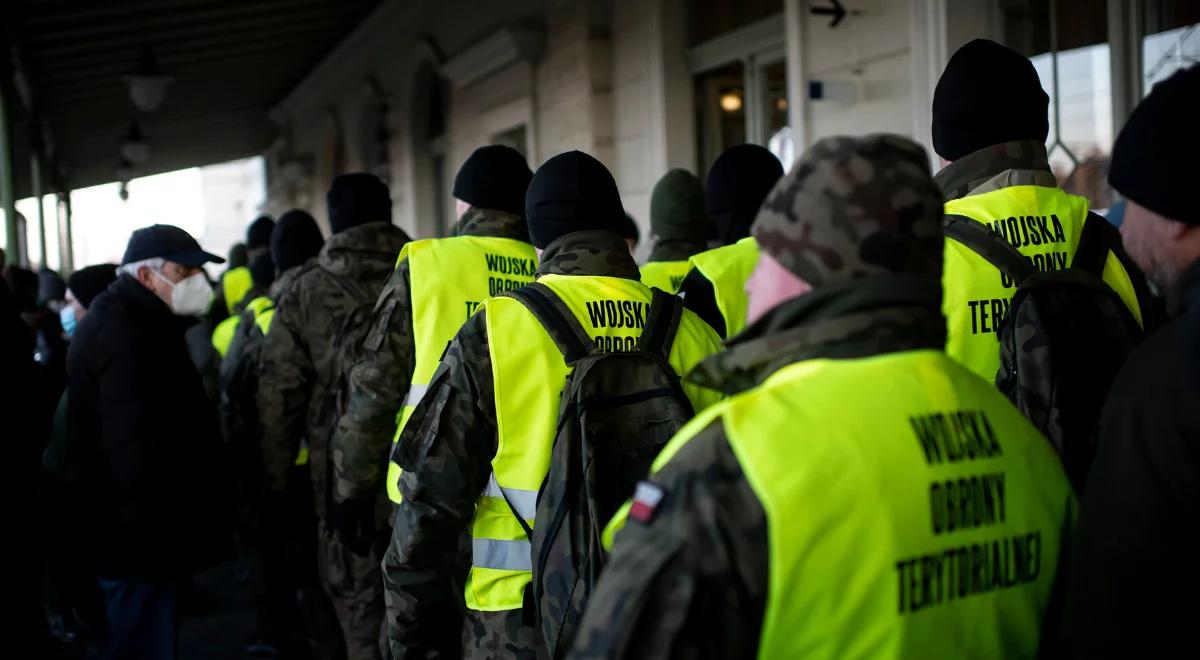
(1136, 575)
(148, 439)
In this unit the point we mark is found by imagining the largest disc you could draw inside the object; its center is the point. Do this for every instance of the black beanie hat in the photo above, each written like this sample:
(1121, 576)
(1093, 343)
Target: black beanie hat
(87, 283)
(572, 192)
(357, 199)
(295, 239)
(629, 229)
(238, 256)
(50, 286)
(677, 208)
(262, 270)
(494, 177)
(258, 235)
(738, 182)
(989, 94)
(1154, 158)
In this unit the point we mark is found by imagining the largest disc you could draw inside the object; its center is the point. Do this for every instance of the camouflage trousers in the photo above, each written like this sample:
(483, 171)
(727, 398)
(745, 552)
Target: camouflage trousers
(355, 586)
(501, 636)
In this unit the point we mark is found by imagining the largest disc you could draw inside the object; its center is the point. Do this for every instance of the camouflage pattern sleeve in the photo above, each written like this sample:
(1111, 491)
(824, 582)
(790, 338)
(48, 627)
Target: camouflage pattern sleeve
(445, 451)
(691, 582)
(284, 387)
(377, 383)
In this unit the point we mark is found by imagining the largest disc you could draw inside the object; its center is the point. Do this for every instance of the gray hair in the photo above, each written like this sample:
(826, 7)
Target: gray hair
(154, 263)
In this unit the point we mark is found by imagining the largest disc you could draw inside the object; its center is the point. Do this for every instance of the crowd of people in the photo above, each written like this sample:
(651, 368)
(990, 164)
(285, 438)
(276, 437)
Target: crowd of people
(852, 410)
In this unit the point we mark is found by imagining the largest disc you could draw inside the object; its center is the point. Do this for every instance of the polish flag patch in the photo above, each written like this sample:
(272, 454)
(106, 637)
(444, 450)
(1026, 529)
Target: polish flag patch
(645, 500)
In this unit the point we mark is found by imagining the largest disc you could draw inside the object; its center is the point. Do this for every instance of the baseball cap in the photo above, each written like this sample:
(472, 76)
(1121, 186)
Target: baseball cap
(167, 242)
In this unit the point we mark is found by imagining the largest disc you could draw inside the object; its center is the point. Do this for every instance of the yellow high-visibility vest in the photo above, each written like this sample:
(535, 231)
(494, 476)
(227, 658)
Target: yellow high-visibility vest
(727, 268)
(235, 284)
(1045, 225)
(665, 275)
(929, 528)
(223, 334)
(448, 279)
(528, 374)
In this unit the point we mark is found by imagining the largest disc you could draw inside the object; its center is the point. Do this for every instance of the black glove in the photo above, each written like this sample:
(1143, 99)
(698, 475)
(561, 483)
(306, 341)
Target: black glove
(354, 522)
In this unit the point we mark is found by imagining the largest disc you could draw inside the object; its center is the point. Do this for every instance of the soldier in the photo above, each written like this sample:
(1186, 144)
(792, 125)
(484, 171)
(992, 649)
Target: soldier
(262, 275)
(989, 128)
(279, 528)
(860, 494)
(679, 227)
(319, 322)
(715, 288)
(436, 286)
(489, 415)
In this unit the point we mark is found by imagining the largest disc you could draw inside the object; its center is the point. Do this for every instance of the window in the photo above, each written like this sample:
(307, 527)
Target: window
(1171, 39)
(1067, 41)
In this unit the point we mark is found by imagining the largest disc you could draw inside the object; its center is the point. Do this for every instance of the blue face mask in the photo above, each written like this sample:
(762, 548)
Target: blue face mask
(66, 316)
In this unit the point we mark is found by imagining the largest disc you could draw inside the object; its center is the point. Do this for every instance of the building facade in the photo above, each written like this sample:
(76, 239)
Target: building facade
(647, 85)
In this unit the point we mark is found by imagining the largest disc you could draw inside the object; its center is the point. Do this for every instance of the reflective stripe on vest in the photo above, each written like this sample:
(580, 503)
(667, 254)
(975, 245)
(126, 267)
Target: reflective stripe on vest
(235, 284)
(528, 373)
(222, 335)
(666, 275)
(728, 268)
(448, 279)
(930, 528)
(1045, 225)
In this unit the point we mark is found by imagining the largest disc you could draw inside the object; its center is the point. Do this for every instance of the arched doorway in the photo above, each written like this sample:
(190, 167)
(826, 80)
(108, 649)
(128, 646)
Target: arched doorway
(428, 107)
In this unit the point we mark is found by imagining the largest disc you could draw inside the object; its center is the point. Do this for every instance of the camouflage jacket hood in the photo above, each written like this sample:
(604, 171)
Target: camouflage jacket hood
(597, 253)
(841, 320)
(284, 280)
(995, 167)
(491, 223)
(366, 252)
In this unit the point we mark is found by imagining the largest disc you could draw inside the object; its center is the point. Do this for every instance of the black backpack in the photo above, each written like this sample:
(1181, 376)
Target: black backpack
(617, 412)
(1063, 339)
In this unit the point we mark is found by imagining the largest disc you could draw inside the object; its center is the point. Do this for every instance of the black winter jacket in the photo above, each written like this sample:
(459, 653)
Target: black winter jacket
(147, 438)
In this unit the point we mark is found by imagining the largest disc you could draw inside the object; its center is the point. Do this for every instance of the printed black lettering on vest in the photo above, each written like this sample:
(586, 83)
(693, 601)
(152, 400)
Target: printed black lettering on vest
(955, 436)
(616, 313)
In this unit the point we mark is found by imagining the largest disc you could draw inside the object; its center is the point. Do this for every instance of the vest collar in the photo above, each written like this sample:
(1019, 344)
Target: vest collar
(595, 253)
(842, 320)
(492, 224)
(1022, 163)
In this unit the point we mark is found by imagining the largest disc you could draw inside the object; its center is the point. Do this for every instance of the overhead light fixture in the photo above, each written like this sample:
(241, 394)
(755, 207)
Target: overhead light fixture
(125, 170)
(135, 148)
(731, 101)
(147, 85)
(123, 191)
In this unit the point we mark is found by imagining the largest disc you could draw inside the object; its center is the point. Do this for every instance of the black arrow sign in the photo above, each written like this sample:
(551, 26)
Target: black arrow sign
(837, 11)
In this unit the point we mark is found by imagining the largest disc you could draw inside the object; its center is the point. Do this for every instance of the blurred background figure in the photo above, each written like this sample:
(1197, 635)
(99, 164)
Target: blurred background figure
(679, 228)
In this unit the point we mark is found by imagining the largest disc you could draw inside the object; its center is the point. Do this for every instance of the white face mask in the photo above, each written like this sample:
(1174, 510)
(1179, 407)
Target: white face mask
(189, 296)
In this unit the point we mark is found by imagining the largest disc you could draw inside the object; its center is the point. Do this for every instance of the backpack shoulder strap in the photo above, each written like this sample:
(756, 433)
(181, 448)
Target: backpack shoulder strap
(570, 337)
(1095, 242)
(662, 320)
(987, 244)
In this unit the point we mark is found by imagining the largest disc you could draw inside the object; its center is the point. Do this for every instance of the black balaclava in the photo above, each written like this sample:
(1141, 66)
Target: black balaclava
(989, 94)
(258, 234)
(87, 283)
(295, 239)
(572, 192)
(738, 183)
(357, 199)
(494, 177)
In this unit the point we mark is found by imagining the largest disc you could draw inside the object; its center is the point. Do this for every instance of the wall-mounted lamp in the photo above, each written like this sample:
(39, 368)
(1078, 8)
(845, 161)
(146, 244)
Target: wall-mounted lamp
(731, 101)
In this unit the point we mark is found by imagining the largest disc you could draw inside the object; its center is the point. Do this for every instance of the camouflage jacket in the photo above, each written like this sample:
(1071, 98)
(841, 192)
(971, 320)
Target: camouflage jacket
(239, 370)
(304, 352)
(379, 379)
(446, 451)
(692, 582)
